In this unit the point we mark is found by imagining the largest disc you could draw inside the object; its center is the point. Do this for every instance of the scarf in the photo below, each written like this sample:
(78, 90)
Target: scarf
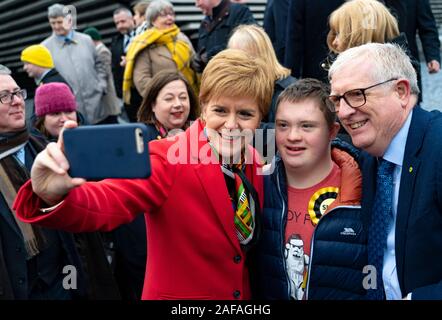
(181, 54)
(13, 175)
(245, 201)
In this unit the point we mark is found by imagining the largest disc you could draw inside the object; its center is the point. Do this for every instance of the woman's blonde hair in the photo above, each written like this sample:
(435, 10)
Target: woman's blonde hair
(236, 74)
(358, 22)
(255, 41)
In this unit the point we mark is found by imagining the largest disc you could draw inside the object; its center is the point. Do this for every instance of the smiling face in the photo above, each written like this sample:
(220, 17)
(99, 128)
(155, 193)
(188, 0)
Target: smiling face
(12, 115)
(303, 136)
(165, 20)
(372, 126)
(230, 123)
(172, 105)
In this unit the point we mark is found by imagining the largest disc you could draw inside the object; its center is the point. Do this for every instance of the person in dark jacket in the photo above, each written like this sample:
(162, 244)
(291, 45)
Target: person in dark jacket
(35, 262)
(401, 168)
(306, 46)
(420, 21)
(222, 16)
(275, 24)
(39, 65)
(313, 243)
(124, 24)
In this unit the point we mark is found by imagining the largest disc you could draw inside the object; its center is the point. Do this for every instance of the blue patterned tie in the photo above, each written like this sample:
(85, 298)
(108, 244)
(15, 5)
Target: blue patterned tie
(382, 217)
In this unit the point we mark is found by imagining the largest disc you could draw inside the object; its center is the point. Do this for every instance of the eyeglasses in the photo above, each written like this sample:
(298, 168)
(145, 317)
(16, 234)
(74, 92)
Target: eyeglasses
(167, 13)
(355, 98)
(9, 97)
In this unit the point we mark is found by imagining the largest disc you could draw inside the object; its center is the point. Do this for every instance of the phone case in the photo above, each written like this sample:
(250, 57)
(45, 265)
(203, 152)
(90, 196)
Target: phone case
(108, 151)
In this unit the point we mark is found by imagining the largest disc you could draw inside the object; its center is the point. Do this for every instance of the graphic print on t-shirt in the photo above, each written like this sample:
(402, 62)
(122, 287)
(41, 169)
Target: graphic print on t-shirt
(296, 262)
(305, 209)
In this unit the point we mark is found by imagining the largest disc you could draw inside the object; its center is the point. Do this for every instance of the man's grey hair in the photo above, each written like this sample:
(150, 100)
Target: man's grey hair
(155, 8)
(388, 61)
(125, 10)
(4, 70)
(56, 10)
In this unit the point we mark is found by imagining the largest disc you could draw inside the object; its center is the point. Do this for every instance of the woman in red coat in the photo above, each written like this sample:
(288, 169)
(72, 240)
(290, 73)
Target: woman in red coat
(200, 212)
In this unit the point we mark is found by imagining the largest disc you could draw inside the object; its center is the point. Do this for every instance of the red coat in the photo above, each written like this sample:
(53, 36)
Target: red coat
(193, 251)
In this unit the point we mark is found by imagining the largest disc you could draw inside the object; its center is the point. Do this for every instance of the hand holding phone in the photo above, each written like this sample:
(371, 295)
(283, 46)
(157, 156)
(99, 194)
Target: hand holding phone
(49, 176)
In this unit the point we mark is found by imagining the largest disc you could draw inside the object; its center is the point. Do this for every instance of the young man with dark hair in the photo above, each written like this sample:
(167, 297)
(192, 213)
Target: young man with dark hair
(313, 232)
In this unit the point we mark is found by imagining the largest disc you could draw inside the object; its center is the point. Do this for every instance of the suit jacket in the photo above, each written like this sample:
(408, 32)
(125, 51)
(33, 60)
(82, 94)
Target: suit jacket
(275, 24)
(117, 50)
(418, 239)
(53, 76)
(214, 35)
(306, 41)
(398, 9)
(420, 20)
(194, 252)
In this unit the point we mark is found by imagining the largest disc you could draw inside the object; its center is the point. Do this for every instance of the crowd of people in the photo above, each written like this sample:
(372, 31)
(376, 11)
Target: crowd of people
(310, 169)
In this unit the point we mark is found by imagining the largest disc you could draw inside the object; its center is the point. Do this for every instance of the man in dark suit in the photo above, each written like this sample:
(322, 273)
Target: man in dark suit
(420, 20)
(124, 23)
(275, 24)
(384, 120)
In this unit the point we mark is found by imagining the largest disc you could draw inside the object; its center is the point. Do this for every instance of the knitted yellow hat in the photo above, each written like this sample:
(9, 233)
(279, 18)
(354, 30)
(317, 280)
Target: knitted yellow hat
(39, 55)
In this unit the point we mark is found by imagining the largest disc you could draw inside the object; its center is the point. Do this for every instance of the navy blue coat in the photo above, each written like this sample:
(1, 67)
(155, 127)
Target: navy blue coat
(419, 214)
(337, 258)
(16, 272)
(420, 20)
(306, 41)
(275, 24)
(213, 37)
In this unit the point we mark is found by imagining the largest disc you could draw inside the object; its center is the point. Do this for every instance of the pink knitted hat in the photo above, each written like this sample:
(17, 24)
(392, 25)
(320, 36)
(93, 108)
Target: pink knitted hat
(54, 97)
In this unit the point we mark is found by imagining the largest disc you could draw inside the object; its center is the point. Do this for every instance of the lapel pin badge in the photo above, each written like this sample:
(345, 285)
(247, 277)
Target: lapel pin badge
(410, 169)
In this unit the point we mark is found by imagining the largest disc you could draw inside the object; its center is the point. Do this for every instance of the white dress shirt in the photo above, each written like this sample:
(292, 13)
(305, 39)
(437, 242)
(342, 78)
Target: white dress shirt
(394, 154)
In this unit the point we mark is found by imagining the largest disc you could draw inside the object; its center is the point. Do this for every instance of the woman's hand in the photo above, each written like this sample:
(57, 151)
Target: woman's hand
(50, 180)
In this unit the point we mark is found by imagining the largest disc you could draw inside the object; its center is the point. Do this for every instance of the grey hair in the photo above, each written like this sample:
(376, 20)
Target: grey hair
(388, 61)
(125, 10)
(155, 8)
(56, 10)
(4, 70)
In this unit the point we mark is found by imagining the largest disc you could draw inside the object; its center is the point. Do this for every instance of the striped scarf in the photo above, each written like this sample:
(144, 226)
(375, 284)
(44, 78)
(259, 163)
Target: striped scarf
(12, 176)
(243, 202)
